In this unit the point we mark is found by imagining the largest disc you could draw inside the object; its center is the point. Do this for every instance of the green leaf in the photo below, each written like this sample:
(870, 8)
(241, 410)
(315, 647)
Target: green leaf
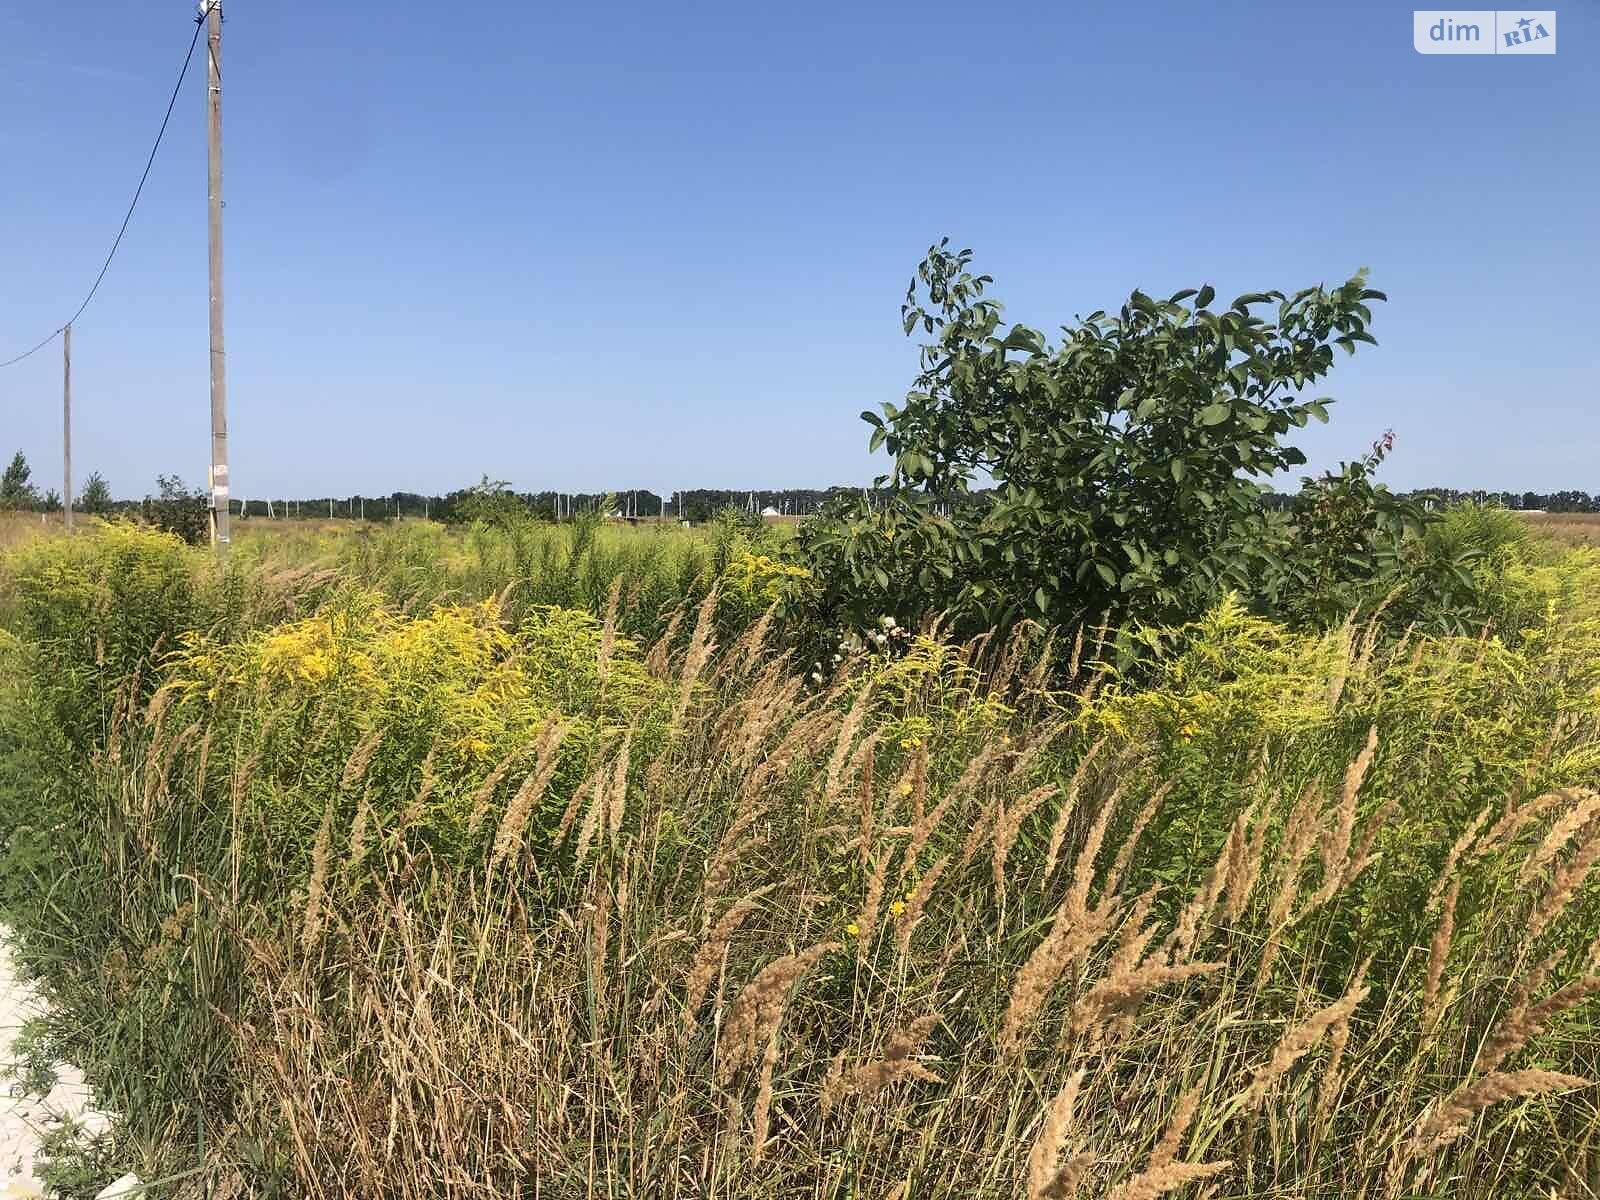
(1022, 338)
(1215, 414)
(1206, 295)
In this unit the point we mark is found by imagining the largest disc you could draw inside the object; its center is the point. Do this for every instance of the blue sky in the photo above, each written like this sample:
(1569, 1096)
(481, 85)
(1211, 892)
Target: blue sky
(581, 246)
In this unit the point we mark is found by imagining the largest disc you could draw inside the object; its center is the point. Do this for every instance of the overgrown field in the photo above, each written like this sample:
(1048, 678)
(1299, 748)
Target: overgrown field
(1574, 529)
(558, 862)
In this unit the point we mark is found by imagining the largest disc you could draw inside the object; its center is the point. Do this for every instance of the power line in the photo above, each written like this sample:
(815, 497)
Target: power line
(128, 216)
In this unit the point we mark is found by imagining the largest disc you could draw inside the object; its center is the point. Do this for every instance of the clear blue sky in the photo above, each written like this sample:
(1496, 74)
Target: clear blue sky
(591, 245)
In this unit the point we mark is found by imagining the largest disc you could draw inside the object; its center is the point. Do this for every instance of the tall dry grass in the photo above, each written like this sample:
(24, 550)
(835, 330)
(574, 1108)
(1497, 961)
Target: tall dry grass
(785, 1044)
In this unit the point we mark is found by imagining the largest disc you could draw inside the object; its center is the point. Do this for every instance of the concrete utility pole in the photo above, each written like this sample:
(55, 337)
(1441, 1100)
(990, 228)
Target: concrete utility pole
(66, 424)
(211, 12)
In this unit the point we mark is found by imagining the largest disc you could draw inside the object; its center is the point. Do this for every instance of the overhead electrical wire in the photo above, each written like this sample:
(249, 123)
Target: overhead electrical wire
(128, 216)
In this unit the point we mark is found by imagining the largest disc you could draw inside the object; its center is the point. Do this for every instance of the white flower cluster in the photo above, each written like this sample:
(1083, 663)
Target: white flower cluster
(888, 632)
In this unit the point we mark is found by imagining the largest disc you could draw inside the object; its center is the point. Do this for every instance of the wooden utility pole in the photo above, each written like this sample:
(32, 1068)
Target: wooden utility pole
(66, 424)
(212, 12)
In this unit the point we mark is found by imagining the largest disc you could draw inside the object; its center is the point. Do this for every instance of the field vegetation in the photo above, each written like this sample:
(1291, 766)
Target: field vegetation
(1573, 529)
(525, 859)
(353, 872)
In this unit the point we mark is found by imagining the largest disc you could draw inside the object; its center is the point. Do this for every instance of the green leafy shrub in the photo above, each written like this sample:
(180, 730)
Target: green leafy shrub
(179, 510)
(1348, 548)
(1345, 536)
(489, 501)
(1120, 456)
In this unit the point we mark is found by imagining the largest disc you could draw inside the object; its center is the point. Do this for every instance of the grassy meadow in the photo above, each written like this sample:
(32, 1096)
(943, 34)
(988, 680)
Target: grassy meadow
(1573, 529)
(561, 862)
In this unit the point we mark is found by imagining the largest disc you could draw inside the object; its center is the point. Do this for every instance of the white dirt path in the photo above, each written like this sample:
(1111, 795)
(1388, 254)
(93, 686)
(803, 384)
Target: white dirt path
(24, 1118)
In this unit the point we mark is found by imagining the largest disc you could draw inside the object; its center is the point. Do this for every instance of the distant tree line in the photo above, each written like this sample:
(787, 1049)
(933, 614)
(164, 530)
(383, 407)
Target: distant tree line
(18, 492)
(700, 504)
(1569, 501)
(644, 504)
